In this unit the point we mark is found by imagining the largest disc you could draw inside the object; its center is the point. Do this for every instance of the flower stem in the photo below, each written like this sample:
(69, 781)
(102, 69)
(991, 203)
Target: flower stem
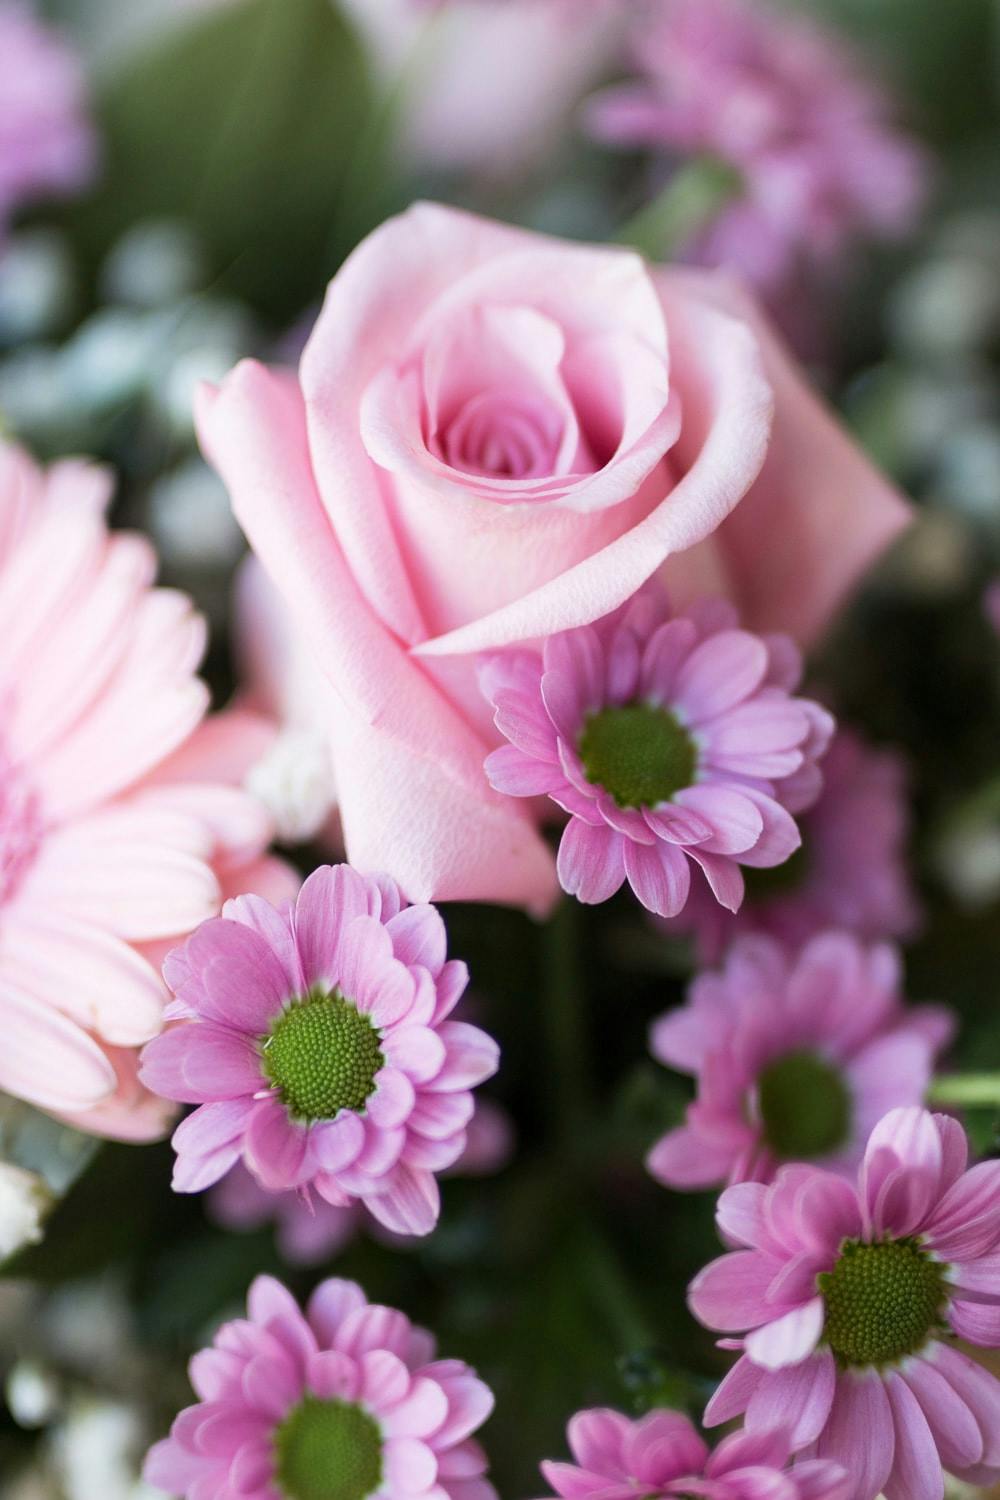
(692, 200)
(970, 1089)
(564, 1002)
(614, 1295)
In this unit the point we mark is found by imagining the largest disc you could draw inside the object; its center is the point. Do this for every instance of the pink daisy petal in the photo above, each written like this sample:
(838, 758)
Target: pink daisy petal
(408, 1201)
(789, 1339)
(392, 1100)
(860, 1433)
(336, 1144)
(659, 875)
(591, 862)
(275, 1147)
(954, 1428)
(735, 821)
(797, 1400)
(721, 672)
(916, 1470)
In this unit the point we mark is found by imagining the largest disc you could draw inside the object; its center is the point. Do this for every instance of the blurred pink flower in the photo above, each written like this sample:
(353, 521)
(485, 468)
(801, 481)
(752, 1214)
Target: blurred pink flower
(485, 85)
(786, 104)
(318, 1042)
(47, 146)
(670, 741)
(847, 1298)
(311, 1231)
(661, 1456)
(347, 1394)
(796, 1059)
(851, 870)
(121, 825)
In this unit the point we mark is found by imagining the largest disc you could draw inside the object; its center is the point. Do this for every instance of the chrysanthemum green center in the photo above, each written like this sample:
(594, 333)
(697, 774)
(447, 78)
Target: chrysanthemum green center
(639, 754)
(882, 1301)
(805, 1108)
(327, 1450)
(322, 1056)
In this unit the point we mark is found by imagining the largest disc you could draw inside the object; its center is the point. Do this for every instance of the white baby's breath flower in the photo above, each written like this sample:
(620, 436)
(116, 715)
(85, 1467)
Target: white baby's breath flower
(24, 1202)
(294, 781)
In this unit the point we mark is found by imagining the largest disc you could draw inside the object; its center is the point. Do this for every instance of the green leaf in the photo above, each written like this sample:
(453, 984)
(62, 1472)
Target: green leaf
(256, 125)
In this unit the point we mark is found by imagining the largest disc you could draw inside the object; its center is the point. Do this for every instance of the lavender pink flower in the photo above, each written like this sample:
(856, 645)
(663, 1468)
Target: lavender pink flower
(668, 741)
(344, 1399)
(847, 1299)
(851, 870)
(797, 1058)
(784, 103)
(47, 146)
(663, 1455)
(318, 1043)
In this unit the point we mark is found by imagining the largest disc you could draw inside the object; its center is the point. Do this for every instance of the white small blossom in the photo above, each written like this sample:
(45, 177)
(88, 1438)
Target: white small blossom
(32, 1394)
(968, 860)
(191, 518)
(97, 1452)
(24, 1202)
(155, 262)
(36, 285)
(294, 781)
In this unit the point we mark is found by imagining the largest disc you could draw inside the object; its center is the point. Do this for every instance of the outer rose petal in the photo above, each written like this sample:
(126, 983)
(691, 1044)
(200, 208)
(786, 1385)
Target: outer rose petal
(409, 769)
(831, 526)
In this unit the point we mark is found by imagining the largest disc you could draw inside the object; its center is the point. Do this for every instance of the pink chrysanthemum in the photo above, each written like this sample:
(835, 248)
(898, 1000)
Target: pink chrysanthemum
(849, 1297)
(317, 1042)
(662, 1455)
(346, 1400)
(666, 741)
(120, 820)
(797, 1059)
(46, 142)
(310, 1233)
(851, 870)
(816, 161)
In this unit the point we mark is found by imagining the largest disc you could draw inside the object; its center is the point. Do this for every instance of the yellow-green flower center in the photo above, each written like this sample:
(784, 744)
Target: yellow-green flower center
(882, 1301)
(639, 754)
(322, 1055)
(327, 1450)
(805, 1108)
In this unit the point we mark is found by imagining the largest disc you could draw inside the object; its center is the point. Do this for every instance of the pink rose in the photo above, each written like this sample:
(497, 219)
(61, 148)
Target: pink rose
(494, 436)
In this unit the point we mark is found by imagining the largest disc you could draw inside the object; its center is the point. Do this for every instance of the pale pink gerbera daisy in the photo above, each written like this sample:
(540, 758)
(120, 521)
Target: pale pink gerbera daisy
(309, 1233)
(849, 1297)
(782, 102)
(117, 831)
(851, 870)
(345, 1400)
(668, 741)
(662, 1455)
(46, 142)
(318, 1043)
(797, 1059)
